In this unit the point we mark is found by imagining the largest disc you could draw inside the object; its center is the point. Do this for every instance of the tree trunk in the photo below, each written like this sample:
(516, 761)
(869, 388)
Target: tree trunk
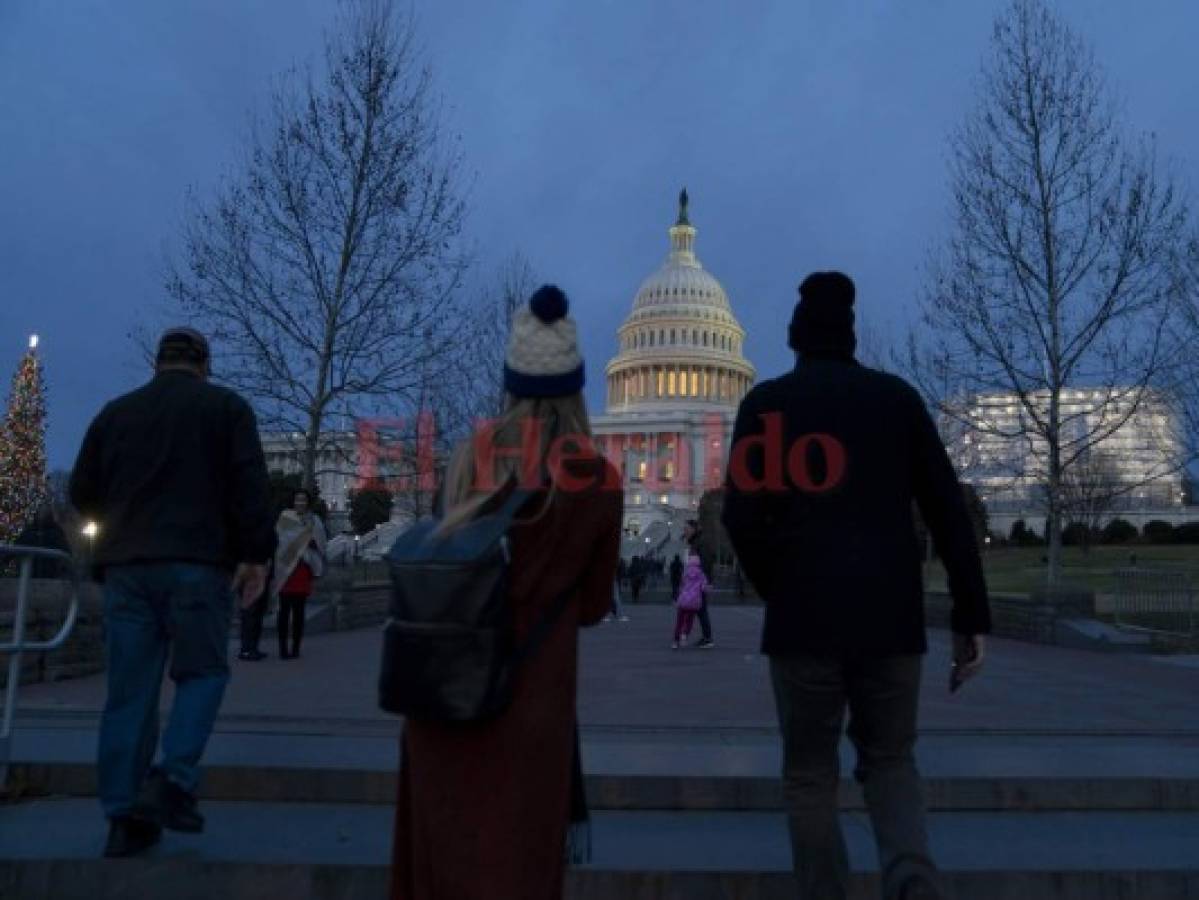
(308, 460)
(1053, 521)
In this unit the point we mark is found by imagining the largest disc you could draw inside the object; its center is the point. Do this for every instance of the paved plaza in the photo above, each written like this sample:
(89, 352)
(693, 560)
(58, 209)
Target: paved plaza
(1058, 774)
(631, 679)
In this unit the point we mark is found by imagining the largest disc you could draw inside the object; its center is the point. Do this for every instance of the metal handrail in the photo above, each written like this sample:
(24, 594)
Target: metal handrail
(18, 645)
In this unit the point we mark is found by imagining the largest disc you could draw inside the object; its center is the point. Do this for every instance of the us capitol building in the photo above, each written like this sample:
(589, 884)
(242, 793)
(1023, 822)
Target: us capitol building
(672, 394)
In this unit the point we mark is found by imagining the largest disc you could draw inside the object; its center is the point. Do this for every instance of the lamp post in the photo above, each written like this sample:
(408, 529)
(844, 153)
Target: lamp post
(89, 530)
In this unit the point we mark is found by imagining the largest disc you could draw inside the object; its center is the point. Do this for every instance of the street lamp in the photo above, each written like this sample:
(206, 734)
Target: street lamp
(89, 530)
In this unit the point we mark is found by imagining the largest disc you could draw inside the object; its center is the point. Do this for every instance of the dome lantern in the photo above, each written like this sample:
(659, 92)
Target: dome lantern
(682, 235)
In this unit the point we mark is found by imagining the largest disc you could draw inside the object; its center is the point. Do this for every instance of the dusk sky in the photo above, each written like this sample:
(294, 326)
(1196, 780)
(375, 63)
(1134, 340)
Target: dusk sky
(811, 135)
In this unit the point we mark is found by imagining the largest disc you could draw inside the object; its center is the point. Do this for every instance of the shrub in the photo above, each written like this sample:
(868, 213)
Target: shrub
(369, 507)
(1158, 532)
(1023, 536)
(1119, 531)
(1187, 533)
(1076, 534)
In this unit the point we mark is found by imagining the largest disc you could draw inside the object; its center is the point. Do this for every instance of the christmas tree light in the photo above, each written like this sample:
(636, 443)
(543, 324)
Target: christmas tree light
(23, 447)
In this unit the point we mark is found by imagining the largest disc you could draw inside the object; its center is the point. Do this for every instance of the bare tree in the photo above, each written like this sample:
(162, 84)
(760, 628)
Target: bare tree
(1091, 489)
(451, 400)
(506, 291)
(326, 268)
(1060, 270)
(872, 348)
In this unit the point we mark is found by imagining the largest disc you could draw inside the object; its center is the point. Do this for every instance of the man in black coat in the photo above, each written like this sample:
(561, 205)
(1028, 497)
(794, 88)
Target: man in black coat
(173, 473)
(825, 465)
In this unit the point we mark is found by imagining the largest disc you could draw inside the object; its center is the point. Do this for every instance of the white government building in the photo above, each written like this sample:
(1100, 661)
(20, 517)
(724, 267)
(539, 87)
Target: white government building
(672, 393)
(1134, 469)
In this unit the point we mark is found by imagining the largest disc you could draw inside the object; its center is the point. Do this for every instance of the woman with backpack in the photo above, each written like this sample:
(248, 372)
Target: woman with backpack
(489, 809)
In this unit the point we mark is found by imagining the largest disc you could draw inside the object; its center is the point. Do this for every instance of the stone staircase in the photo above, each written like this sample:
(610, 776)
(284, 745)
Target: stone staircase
(678, 813)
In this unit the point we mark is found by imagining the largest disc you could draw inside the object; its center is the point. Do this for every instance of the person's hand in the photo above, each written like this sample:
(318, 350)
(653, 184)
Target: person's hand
(249, 581)
(969, 651)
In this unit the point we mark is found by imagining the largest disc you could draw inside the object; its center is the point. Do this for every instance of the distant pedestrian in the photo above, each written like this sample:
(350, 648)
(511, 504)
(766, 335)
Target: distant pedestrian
(695, 544)
(174, 475)
(486, 809)
(617, 612)
(690, 598)
(832, 551)
(299, 561)
(637, 577)
(251, 618)
(676, 576)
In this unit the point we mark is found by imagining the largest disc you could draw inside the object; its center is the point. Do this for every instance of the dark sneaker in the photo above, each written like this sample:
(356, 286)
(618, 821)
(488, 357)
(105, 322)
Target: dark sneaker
(128, 836)
(705, 644)
(164, 803)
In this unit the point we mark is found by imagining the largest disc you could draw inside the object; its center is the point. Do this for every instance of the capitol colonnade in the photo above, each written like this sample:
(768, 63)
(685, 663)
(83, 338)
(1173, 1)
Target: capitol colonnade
(715, 384)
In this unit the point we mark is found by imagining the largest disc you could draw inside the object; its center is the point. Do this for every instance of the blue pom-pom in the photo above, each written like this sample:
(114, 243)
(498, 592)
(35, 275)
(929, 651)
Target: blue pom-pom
(549, 304)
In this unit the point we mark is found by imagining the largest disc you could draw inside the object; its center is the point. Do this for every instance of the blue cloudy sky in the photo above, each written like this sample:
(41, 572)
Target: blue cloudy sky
(810, 133)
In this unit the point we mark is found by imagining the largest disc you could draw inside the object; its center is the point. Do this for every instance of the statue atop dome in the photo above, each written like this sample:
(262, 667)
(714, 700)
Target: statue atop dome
(683, 201)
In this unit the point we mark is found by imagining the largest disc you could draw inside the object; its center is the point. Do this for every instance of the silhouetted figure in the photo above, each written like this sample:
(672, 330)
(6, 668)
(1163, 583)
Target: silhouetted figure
(174, 475)
(676, 576)
(617, 612)
(637, 577)
(252, 617)
(485, 810)
(832, 550)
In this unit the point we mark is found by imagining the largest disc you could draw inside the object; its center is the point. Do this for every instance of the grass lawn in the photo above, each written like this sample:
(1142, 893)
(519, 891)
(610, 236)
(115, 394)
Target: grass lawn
(1019, 570)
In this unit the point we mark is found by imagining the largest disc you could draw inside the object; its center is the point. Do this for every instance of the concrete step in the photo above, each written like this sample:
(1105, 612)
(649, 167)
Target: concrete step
(671, 771)
(49, 848)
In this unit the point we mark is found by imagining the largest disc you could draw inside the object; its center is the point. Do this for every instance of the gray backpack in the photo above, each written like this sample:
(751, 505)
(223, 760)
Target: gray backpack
(449, 647)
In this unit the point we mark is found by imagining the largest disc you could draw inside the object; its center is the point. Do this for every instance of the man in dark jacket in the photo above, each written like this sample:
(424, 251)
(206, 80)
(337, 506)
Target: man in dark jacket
(826, 463)
(173, 473)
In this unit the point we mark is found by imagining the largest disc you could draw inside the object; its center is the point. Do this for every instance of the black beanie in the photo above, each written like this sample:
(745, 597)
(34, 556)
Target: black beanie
(822, 323)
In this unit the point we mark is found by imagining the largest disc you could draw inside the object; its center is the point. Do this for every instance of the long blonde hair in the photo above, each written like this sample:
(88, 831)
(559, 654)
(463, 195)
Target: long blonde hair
(554, 417)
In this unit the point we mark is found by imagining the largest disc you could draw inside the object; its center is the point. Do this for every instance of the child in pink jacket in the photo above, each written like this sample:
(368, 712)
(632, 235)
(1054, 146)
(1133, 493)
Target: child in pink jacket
(690, 599)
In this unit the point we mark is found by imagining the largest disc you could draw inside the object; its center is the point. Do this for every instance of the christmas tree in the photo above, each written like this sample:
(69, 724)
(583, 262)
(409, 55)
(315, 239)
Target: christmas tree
(23, 448)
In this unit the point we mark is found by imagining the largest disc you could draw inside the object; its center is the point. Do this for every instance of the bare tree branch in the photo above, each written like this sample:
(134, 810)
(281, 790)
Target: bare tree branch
(327, 269)
(1061, 273)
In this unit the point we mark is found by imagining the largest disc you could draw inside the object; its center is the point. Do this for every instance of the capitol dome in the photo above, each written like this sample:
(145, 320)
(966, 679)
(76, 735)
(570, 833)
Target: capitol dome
(681, 345)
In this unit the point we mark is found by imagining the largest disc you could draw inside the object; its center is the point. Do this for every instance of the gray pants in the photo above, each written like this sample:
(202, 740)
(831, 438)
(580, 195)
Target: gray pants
(811, 695)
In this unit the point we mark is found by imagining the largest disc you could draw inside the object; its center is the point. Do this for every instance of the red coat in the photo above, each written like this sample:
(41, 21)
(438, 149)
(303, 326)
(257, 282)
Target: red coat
(482, 811)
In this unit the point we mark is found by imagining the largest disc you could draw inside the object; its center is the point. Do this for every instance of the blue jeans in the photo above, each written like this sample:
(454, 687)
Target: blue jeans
(812, 694)
(152, 609)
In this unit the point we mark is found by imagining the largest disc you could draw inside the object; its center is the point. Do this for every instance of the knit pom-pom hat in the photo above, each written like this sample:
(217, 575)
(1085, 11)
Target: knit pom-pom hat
(823, 320)
(543, 348)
